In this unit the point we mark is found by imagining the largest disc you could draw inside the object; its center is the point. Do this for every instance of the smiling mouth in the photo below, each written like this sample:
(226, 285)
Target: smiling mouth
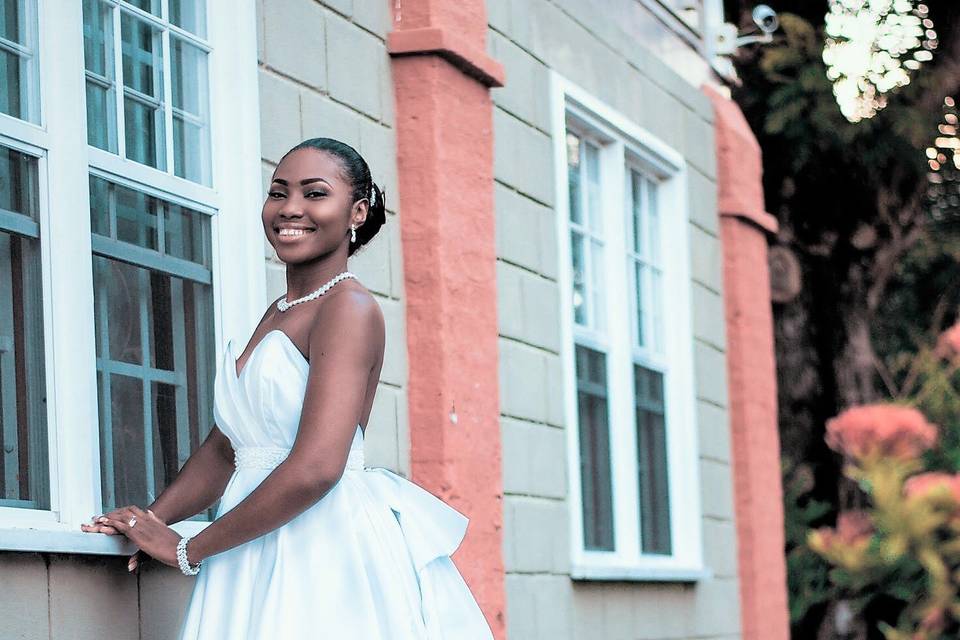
(293, 233)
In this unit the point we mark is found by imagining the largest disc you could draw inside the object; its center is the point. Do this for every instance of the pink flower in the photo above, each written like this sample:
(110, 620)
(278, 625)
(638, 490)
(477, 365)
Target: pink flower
(948, 344)
(922, 484)
(848, 541)
(854, 525)
(881, 429)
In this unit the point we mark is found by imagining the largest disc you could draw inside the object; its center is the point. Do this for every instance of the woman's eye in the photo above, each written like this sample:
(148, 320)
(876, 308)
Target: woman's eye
(318, 193)
(275, 193)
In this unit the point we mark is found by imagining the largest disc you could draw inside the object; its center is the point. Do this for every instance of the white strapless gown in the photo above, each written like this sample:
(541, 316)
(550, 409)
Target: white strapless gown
(368, 561)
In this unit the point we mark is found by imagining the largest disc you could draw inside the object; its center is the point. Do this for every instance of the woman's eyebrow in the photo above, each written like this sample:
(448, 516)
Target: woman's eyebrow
(304, 181)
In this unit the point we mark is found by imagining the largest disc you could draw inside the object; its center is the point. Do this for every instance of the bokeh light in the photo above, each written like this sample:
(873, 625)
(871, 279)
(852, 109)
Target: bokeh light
(872, 46)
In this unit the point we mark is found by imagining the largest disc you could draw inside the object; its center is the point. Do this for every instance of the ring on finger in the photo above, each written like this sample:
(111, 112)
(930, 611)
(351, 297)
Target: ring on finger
(133, 521)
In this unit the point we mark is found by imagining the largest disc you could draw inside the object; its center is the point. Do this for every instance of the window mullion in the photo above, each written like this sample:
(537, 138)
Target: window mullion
(120, 80)
(620, 376)
(167, 74)
(65, 234)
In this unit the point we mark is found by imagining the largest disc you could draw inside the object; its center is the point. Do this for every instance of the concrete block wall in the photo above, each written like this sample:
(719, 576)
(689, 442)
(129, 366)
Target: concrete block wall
(575, 38)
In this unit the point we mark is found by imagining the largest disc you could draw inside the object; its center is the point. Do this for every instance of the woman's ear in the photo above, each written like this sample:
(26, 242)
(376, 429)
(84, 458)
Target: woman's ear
(360, 211)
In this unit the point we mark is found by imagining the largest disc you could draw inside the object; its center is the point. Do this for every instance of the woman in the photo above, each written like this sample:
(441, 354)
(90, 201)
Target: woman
(308, 542)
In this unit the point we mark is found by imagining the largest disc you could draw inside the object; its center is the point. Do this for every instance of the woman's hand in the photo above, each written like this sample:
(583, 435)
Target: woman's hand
(149, 533)
(101, 527)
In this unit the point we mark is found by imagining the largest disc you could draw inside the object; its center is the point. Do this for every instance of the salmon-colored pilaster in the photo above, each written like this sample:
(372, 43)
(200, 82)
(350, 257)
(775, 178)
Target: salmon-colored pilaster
(444, 116)
(751, 374)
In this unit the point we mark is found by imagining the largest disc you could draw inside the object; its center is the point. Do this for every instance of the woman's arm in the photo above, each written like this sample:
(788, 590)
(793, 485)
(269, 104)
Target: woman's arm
(199, 483)
(345, 343)
(204, 475)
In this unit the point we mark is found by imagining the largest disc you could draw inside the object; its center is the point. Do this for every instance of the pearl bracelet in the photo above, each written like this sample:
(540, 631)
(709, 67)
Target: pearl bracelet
(185, 567)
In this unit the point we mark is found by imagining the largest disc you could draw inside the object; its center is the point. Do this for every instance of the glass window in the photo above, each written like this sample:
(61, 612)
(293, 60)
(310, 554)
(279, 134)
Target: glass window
(595, 478)
(644, 273)
(189, 15)
(24, 461)
(652, 461)
(161, 65)
(586, 231)
(143, 108)
(154, 338)
(644, 261)
(19, 74)
(631, 361)
(101, 81)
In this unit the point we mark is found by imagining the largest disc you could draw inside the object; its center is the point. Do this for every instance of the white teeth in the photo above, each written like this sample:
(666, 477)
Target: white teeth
(291, 232)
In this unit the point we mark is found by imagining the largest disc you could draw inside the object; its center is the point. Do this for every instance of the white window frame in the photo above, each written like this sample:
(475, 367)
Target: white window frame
(685, 564)
(65, 160)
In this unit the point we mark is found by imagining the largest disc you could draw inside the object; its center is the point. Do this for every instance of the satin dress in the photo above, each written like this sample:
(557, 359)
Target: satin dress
(370, 560)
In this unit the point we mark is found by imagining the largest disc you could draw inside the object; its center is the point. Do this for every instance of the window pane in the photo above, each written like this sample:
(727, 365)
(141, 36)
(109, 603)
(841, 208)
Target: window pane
(592, 164)
(653, 221)
(640, 319)
(652, 461)
(136, 218)
(595, 477)
(186, 234)
(150, 6)
(189, 15)
(579, 279)
(24, 459)
(636, 211)
(19, 79)
(190, 120)
(19, 189)
(154, 338)
(656, 304)
(154, 357)
(598, 285)
(143, 91)
(100, 75)
(573, 178)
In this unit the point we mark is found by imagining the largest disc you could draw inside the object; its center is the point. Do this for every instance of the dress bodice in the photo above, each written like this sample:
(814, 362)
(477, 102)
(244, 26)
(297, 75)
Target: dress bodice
(259, 410)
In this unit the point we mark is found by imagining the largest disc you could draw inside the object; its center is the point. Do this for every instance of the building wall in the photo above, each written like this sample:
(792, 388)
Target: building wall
(336, 82)
(578, 39)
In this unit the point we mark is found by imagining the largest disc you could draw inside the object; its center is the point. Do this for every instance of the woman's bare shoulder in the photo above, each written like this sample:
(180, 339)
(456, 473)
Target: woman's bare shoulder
(349, 309)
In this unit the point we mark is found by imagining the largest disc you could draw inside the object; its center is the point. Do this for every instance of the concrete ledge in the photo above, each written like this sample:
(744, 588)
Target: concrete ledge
(640, 574)
(472, 62)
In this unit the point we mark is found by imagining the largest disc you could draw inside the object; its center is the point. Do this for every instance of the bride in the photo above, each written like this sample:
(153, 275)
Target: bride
(307, 540)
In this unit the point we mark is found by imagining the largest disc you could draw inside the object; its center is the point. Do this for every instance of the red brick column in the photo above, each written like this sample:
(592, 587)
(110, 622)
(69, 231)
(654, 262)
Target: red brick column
(751, 374)
(444, 115)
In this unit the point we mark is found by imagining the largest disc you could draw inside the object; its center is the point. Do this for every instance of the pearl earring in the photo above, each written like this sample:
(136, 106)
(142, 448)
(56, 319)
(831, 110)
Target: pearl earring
(353, 233)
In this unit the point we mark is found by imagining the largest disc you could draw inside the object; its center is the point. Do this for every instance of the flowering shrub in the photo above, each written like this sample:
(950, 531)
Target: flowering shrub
(906, 544)
(881, 430)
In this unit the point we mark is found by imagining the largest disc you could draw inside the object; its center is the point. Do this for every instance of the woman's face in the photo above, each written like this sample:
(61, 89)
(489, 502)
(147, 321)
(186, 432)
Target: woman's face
(303, 221)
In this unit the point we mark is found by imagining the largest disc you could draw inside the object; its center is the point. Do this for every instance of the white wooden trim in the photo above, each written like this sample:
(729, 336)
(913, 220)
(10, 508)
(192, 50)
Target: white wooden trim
(68, 297)
(627, 562)
(65, 161)
(238, 249)
(61, 539)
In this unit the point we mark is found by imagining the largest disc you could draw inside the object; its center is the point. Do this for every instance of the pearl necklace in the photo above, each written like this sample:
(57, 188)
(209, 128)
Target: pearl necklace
(283, 305)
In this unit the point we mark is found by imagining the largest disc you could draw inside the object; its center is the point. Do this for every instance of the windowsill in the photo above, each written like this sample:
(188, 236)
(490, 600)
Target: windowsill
(640, 574)
(77, 541)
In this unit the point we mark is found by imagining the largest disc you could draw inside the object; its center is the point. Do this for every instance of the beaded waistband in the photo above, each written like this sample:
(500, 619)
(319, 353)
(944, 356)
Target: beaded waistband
(270, 457)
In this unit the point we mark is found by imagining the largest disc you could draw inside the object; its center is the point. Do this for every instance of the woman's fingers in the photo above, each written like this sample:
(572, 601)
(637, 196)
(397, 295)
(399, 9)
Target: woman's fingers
(134, 561)
(99, 528)
(101, 522)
